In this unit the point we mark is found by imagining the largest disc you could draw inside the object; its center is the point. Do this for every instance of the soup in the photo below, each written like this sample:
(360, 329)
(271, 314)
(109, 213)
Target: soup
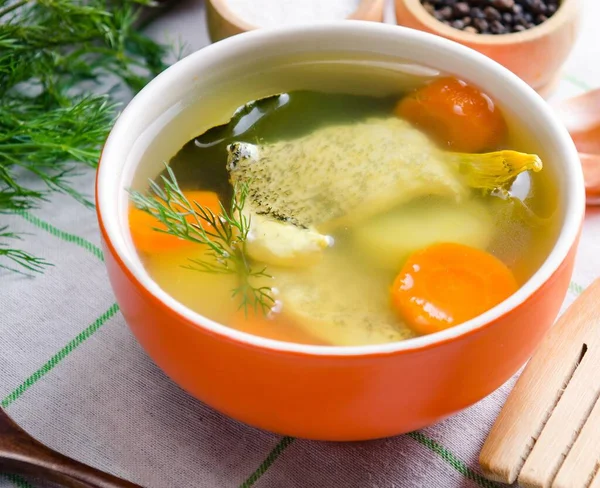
(352, 204)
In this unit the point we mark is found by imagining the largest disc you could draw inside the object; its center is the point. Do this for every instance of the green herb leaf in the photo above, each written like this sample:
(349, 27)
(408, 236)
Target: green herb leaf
(53, 55)
(20, 258)
(223, 236)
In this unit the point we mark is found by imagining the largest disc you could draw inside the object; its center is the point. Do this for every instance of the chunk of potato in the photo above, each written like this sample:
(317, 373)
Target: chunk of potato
(388, 240)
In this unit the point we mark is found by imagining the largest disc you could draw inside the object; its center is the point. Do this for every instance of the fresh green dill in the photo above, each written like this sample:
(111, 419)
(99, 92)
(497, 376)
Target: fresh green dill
(20, 258)
(56, 56)
(224, 236)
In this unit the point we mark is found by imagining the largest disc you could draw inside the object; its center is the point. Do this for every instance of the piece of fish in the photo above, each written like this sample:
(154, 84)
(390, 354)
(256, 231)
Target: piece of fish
(342, 174)
(339, 303)
(336, 176)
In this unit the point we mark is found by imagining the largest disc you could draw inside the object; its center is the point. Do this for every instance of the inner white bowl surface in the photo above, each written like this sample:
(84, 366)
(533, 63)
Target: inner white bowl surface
(166, 93)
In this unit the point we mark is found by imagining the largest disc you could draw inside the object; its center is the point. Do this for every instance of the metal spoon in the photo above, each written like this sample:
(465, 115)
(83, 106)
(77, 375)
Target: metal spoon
(22, 454)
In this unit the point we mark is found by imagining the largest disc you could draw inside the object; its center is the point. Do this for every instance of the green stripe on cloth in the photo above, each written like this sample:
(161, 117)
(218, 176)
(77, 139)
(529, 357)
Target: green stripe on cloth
(281, 446)
(452, 460)
(421, 438)
(577, 82)
(59, 356)
(575, 288)
(65, 236)
(16, 480)
(444, 453)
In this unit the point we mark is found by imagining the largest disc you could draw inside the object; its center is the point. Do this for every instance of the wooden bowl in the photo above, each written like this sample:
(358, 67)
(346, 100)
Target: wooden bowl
(535, 55)
(222, 22)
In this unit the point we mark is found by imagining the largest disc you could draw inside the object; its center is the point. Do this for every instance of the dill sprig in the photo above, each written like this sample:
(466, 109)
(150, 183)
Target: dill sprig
(21, 258)
(224, 236)
(54, 56)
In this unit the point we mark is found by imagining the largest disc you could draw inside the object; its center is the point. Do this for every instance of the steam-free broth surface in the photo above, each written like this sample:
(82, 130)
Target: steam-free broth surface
(348, 196)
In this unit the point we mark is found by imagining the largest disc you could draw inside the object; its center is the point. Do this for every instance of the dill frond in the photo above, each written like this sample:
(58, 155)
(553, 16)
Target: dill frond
(223, 236)
(18, 257)
(53, 55)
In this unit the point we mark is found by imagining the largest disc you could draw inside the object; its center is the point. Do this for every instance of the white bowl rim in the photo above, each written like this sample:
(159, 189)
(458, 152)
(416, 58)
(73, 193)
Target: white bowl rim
(574, 211)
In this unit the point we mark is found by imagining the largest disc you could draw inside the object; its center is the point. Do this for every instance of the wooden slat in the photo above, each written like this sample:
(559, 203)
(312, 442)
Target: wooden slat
(596, 481)
(566, 421)
(582, 461)
(540, 387)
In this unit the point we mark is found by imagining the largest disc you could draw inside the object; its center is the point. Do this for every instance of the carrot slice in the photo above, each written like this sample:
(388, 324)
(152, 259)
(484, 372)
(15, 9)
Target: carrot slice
(455, 114)
(446, 284)
(281, 329)
(148, 240)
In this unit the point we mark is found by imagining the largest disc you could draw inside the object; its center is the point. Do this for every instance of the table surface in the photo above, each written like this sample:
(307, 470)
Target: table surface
(72, 374)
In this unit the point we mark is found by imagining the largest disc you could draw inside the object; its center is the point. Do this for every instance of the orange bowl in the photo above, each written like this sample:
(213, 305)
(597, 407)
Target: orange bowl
(310, 391)
(535, 55)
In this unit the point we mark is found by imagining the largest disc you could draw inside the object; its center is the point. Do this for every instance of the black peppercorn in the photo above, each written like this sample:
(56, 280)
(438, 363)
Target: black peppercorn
(520, 20)
(491, 16)
(496, 27)
(461, 9)
(477, 13)
(537, 7)
(445, 13)
(481, 25)
(503, 4)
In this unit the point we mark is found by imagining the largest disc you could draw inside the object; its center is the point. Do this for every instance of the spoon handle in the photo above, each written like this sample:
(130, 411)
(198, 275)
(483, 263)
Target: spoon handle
(591, 173)
(60, 469)
(22, 454)
(65, 471)
(581, 116)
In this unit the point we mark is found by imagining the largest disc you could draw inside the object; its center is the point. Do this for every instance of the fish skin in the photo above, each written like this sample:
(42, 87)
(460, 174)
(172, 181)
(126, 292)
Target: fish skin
(336, 176)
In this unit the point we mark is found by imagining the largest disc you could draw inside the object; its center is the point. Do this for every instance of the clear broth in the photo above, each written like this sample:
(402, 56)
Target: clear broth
(324, 93)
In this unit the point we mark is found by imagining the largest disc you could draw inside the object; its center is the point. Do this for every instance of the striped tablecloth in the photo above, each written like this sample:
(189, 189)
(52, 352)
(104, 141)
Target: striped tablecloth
(72, 374)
